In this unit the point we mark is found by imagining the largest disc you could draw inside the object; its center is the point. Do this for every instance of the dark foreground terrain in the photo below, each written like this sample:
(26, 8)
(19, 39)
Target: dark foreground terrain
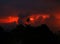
(28, 35)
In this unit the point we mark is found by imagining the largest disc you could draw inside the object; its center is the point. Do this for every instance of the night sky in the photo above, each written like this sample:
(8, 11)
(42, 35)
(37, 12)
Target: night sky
(22, 7)
(9, 7)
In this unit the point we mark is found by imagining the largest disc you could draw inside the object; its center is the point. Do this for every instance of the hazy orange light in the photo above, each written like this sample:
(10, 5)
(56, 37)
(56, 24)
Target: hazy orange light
(45, 17)
(9, 19)
(32, 19)
(37, 19)
(56, 21)
(13, 19)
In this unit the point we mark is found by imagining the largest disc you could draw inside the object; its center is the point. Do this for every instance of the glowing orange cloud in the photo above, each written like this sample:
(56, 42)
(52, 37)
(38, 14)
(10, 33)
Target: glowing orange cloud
(36, 19)
(57, 19)
(32, 19)
(9, 19)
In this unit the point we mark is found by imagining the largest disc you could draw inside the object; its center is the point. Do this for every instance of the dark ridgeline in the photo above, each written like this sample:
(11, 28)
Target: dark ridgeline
(40, 34)
(19, 28)
(29, 35)
(3, 36)
(1, 29)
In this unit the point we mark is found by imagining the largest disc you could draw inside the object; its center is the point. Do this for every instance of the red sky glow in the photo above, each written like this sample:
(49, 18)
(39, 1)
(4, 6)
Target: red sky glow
(9, 19)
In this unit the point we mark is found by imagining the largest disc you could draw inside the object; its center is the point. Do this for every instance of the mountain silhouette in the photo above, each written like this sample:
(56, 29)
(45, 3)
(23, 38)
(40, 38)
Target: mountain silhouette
(30, 35)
